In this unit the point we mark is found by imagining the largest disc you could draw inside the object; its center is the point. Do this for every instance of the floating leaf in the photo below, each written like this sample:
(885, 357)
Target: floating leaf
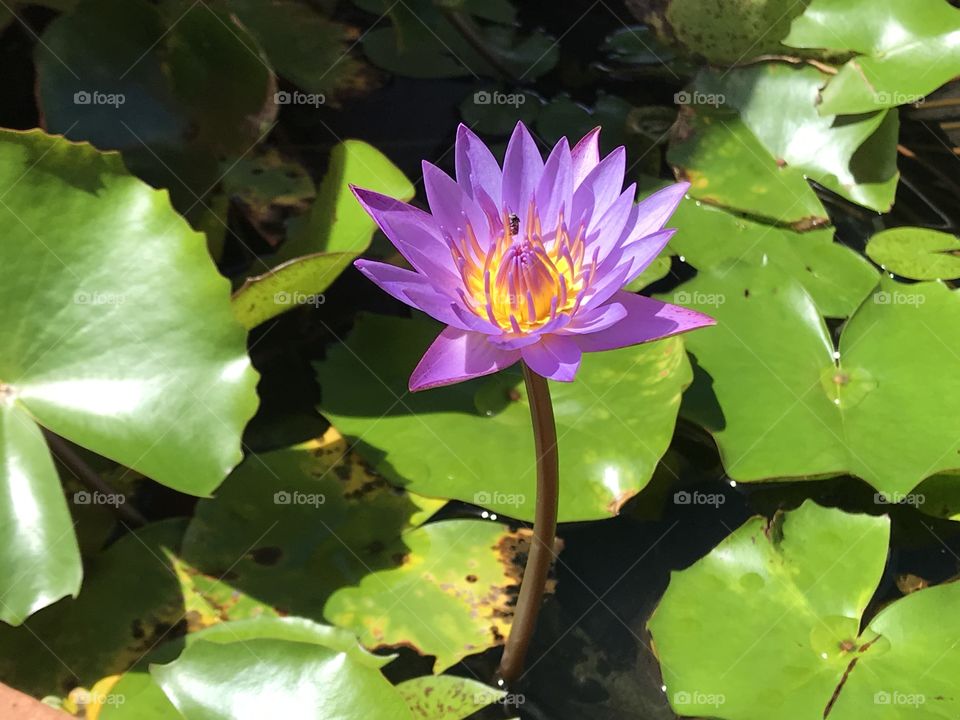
(472, 441)
(904, 51)
(788, 598)
(852, 156)
(123, 341)
(788, 408)
(450, 593)
(40, 561)
(316, 511)
(836, 277)
(727, 166)
(176, 87)
(725, 32)
(328, 239)
(302, 675)
(916, 253)
(445, 697)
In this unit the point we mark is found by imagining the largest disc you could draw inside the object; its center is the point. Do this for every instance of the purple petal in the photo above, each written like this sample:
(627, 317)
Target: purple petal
(413, 232)
(600, 188)
(605, 232)
(647, 319)
(451, 207)
(585, 155)
(555, 357)
(477, 170)
(623, 265)
(554, 194)
(522, 168)
(654, 211)
(412, 289)
(594, 319)
(457, 355)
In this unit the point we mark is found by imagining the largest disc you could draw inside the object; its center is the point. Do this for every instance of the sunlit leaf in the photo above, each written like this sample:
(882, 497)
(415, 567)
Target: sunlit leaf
(788, 600)
(903, 50)
(123, 340)
(472, 441)
(852, 156)
(445, 697)
(787, 406)
(916, 253)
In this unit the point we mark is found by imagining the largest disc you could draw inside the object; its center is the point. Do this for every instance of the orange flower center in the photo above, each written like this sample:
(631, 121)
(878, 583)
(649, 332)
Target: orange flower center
(523, 282)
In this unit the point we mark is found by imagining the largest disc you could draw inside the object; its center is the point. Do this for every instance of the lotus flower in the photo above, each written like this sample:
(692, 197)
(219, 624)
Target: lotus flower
(527, 263)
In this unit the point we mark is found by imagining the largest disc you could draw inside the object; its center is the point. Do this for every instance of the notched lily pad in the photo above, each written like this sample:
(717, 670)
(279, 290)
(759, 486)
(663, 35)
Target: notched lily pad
(789, 598)
(916, 253)
(794, 406)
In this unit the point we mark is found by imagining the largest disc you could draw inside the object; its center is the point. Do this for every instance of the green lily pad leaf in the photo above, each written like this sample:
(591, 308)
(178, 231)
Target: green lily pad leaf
(316, 511)
(40, 562)
(790, 407)
(789, 610)
(916, 253)
(103, 631)
(324, 242)
(727, 165)
(852, 156)
(472, 441)
(939, 496)
(837, 278)
(636, 45)
(290, 677)
(304, 46)
(164, 388)
(903, 51)
(449, 593)
(177, 87)
(135, 695)
(494, 111)
(724, 32)
(446, 697)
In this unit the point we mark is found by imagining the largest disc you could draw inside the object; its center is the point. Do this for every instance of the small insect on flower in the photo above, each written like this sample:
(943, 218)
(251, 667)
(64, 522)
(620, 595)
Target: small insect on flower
(527, 262)
(514, 224)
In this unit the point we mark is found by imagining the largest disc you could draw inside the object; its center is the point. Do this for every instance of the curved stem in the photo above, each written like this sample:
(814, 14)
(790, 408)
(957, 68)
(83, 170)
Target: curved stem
(544, 527)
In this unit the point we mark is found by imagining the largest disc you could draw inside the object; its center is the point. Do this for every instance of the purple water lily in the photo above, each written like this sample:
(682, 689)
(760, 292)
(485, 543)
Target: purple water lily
(527, 263)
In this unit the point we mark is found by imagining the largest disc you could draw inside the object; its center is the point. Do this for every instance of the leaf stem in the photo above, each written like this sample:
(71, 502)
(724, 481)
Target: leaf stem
(541, 554)
(85, 474)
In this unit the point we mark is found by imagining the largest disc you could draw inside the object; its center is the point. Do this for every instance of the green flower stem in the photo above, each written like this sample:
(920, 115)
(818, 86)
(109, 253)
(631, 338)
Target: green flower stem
(534, 581)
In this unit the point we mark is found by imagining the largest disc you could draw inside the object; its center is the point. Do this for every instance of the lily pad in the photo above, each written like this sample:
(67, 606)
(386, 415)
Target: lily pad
(450, 593)
(300, 677)
(903, 51)
(916, 253)
(316, 511)
(123, 342)
(837, 278)
(789, 598)
(854, 157)
(173, 86)
(790, 407)
(446, 697)
(727, 165)
(724, 32)
(472, 441)
(322, 243)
